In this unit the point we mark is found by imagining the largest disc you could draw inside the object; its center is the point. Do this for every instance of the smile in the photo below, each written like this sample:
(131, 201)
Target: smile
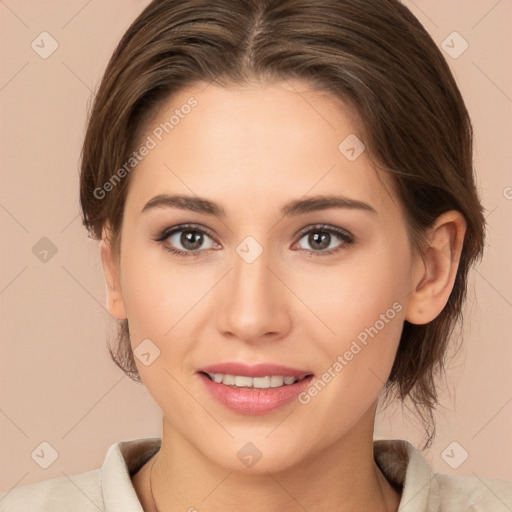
(242, 381)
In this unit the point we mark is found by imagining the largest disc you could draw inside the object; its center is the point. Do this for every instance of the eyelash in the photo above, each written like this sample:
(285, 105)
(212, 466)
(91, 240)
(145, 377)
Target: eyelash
(345, 237)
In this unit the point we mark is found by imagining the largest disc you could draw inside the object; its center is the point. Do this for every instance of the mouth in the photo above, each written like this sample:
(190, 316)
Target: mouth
(254, 390)
(260, 376)
(244, 381)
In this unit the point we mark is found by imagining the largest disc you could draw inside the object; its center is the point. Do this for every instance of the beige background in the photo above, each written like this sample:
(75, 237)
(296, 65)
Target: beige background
(58, 384)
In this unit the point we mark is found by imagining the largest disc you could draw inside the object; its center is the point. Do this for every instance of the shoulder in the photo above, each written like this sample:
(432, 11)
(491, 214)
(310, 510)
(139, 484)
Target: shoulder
(471, 492)
(423, 490)
(106, 488)
(64, 493)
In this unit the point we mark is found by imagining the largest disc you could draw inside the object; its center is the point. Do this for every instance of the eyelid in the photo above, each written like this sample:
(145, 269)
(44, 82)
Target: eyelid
(326, 227)
(167, 232)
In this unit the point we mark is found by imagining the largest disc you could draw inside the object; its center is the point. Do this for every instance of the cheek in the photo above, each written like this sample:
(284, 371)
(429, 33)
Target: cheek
(156, 292)
(162, 305)
(166, 304)
(354, 295)
(366, 313)
(363, 307)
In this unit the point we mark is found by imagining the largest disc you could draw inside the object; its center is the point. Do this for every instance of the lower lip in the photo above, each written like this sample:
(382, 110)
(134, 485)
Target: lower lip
(255, 401)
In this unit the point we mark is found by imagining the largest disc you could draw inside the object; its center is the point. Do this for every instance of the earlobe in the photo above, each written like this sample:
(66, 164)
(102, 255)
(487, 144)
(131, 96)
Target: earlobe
(115, 303)
(440, 261)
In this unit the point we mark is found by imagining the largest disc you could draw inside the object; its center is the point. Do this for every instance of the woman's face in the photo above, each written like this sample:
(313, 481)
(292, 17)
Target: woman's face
(262, 282)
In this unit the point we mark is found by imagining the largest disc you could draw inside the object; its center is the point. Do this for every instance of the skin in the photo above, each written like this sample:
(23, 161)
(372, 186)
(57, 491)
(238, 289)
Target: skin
(266, 145)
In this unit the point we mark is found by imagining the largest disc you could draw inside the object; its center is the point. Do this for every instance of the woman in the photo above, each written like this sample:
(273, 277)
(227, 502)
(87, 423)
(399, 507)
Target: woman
(285, 200)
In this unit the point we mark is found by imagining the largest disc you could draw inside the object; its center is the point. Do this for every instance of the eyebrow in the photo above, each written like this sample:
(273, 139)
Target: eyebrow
(293, 208)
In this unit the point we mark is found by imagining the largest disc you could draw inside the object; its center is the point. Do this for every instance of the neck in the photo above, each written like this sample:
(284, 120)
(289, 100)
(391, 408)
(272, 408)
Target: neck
(342, 477)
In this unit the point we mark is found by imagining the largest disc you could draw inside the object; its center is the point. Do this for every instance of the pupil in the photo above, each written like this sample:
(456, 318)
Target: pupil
(322, 240)
(191, 240)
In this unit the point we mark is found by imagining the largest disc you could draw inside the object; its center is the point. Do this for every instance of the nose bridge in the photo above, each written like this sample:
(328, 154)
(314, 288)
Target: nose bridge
(253, 303)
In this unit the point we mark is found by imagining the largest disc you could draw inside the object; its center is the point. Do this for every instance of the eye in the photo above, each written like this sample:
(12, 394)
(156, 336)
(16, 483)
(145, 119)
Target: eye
(192, 240)
(325, 240)
(186, 240)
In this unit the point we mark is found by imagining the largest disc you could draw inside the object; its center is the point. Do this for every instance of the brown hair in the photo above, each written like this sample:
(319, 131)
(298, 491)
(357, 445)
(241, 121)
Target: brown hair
(373, 55)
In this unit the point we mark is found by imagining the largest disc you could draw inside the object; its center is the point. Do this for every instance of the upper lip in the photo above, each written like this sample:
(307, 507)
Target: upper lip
(257, 370)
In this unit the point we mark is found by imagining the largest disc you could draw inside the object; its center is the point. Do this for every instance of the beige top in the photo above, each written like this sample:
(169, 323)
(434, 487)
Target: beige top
(109, 488)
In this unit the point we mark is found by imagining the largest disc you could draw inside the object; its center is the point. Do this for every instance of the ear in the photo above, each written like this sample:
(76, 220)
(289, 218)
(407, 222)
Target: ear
(115, 303)
(437, 270)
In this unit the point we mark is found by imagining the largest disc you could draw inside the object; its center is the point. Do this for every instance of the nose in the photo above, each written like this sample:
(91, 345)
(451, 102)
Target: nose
(253, 304)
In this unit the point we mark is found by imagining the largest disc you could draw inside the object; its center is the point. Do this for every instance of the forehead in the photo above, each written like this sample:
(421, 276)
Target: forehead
(261, 144)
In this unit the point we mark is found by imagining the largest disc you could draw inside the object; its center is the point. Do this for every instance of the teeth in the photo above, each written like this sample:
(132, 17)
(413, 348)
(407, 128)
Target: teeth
(242, 381)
